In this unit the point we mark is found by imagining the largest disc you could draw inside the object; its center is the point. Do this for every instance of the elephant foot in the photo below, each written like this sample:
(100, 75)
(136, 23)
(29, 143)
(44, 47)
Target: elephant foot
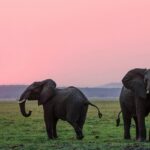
(141, 139)
(55, 137)
(51, 138)
(127, 137)
(80, 137)
(136, 139)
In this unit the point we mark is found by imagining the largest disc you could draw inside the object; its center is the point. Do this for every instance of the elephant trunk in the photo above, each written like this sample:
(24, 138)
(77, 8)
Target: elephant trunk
(22, 108)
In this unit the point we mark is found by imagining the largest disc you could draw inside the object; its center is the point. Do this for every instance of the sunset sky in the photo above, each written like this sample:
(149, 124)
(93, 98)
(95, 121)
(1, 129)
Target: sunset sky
(74, 42)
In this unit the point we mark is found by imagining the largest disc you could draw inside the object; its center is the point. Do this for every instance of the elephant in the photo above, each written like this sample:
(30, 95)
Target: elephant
(135, 101)
(68, 104)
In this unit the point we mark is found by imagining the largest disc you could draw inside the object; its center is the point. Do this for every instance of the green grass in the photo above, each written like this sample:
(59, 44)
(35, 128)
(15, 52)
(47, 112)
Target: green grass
(20, 133)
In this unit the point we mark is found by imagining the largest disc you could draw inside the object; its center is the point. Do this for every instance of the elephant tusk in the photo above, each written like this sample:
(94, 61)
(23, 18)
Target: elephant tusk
(19, 102)
(147, 91)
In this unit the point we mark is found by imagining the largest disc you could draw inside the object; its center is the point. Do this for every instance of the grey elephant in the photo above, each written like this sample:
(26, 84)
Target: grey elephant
(68, 104)
(135, 101)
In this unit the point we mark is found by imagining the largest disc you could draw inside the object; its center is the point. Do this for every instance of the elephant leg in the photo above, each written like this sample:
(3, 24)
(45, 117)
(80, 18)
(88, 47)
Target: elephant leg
(81, 123)
(78, 130)
(137, 129)
(127, 124)
(141, 128)
(140, 113)
(48, 123)
(54, 127)
(82, 118)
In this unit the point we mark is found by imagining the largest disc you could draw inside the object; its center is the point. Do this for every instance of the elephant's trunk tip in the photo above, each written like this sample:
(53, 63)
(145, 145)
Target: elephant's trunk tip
(22, 108)
(29, 114)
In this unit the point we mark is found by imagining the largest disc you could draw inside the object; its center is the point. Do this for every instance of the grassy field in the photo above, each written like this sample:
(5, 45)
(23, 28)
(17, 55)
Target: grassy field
(19, 133)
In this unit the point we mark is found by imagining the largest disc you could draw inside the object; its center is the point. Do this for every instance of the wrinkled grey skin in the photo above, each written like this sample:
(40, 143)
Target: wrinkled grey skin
(68, 104)
(135, 101)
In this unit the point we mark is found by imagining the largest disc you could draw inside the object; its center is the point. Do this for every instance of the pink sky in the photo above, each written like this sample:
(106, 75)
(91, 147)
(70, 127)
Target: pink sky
(74, 42)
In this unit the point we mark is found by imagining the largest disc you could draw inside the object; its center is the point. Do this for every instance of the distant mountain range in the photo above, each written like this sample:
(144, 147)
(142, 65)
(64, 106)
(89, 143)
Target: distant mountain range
(112, 85)
(107, 91)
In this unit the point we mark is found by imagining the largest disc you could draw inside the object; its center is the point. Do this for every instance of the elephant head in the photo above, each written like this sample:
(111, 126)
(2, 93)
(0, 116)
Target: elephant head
(138, 80)
(41, 91)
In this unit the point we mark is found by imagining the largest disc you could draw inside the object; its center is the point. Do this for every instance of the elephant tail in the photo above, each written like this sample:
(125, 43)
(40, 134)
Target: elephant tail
(118, 119)
(99, 113)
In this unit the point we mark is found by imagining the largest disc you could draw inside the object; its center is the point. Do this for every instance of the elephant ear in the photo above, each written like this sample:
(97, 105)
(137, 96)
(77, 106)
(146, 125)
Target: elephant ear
(134, 80)
(47, 91)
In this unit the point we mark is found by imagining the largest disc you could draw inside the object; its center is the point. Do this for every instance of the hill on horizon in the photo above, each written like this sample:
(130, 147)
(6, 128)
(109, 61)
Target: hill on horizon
(112, 85)
(108, 91)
